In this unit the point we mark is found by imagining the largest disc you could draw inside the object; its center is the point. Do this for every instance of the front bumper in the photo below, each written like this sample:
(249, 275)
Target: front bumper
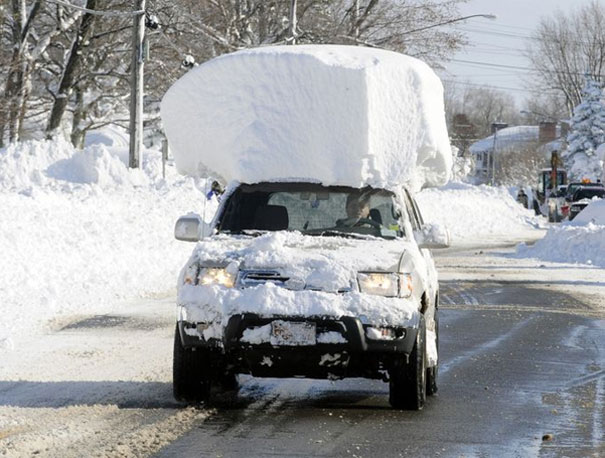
(359, 356)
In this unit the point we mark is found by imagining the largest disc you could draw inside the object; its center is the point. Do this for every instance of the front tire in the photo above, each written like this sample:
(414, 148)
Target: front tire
(432, 372)
(190, 373)
(407, 385)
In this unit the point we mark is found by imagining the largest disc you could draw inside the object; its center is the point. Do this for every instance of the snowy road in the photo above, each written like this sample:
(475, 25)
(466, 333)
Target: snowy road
(523, 356)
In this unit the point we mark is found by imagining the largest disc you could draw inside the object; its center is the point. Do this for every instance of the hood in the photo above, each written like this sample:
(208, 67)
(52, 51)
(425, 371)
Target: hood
(321, 263)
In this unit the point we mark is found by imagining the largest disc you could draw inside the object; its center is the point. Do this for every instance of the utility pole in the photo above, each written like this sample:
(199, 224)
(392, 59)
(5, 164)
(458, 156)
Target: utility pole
(495, 127)
(292, 32)
(136, 87)
(356, 20)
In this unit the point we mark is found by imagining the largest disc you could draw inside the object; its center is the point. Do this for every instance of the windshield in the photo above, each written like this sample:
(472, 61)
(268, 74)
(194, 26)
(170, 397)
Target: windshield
(312, 209)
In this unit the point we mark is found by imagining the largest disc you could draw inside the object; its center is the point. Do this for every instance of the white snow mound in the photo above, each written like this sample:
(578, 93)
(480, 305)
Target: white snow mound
(593, 213)
(80, 233)
(478, 214)
(342, 115)
(569, 244)
(581, 241)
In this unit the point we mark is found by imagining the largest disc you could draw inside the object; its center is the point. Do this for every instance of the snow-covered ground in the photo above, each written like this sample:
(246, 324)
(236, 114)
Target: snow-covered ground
(79, 231)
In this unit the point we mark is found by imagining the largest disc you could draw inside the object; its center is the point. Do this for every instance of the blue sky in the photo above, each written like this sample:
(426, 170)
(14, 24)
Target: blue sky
(500, 42)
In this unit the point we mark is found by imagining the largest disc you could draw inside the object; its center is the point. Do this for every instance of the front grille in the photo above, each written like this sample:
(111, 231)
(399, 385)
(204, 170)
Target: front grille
(259, 277)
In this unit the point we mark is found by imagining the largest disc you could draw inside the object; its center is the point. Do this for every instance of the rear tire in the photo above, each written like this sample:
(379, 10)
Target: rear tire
(407, 385)
(190, 373)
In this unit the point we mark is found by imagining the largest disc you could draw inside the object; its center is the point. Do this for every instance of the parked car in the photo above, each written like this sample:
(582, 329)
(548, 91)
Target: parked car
(582, 197)
(306, 280)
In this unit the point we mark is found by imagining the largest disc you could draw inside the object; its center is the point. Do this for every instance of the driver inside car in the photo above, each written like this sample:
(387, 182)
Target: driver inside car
(358, 210)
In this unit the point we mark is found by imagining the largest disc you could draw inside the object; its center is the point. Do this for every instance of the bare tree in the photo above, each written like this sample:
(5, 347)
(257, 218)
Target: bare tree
(520, 165)
(540, 106)
(481, 106)
(414, 27)
(564, 47)
(61, 65)
(32, 28)
(72, 66)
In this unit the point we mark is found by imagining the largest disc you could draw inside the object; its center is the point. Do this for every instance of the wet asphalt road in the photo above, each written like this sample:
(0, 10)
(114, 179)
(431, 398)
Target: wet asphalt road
(519, 376)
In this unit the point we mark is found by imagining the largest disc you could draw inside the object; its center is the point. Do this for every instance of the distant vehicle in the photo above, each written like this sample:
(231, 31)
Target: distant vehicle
(583, 196)
(573, 187)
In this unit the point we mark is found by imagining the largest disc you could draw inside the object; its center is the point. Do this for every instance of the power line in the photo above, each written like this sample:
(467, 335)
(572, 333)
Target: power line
(515, 67)
(488, 86)
(500, 34)
(507, 26)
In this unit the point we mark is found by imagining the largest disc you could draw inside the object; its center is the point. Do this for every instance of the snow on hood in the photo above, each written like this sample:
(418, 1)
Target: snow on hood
(341, 115)
(325, 264)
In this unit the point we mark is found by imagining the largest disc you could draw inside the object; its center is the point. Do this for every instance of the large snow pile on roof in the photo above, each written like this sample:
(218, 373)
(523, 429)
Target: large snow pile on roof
(569, 244)
(337, 114)
(478, 214)
(79, 232)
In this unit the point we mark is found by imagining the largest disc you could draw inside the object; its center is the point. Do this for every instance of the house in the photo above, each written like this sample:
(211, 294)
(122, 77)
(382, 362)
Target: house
(545, 138)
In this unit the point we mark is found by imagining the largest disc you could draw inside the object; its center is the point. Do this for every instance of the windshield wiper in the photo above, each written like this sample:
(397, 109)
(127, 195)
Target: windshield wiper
(333, 233)
(249, 232)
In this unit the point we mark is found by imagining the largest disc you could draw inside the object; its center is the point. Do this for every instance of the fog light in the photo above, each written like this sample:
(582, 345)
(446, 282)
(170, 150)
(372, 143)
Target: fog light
(383, 333)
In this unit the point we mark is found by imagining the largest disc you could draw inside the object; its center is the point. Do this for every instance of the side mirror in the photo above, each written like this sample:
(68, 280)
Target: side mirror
(190, 228)
(432, 236)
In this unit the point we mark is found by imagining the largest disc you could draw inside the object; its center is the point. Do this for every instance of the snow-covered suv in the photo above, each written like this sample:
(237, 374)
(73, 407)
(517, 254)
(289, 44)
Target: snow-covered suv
(300, 279)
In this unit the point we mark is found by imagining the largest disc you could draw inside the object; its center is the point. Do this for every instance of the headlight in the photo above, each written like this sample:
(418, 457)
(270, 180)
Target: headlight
(216, 276)
(385, 284)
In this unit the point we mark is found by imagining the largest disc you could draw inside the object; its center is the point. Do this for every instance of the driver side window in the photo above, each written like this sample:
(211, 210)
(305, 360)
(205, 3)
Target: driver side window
(411, 211)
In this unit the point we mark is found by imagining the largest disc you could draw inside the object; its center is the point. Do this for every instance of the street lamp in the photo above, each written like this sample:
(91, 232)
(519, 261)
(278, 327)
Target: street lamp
(451, 21)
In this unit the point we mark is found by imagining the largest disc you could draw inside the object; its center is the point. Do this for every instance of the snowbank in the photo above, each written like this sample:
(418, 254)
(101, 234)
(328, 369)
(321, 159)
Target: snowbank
(593, 213)
(79, 231)
(478, 213)
(338, 114)
(569, 244)
(579, 241)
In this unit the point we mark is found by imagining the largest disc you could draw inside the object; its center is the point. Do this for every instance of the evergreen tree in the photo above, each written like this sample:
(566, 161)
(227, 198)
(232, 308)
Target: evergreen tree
(586, 134)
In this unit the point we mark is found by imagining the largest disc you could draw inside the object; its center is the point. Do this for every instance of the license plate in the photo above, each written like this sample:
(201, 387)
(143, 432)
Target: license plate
(293, 333)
